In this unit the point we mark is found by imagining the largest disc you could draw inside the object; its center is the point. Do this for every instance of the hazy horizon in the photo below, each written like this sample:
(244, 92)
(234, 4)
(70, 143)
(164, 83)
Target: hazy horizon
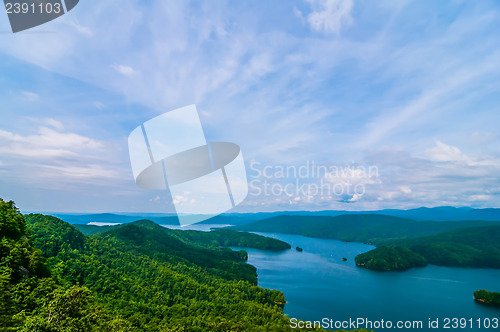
(248, 212)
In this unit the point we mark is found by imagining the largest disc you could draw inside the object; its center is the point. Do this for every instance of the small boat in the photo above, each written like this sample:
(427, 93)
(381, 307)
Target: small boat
(299, 249)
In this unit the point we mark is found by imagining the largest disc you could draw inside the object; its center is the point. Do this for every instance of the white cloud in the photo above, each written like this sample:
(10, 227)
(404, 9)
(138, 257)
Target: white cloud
(78, 172)
(298, 14)
(388, 195)
(48, 143)
(181, 199)
(405, 190)
(351, 176)
(475, 198)
(156, 199)
(53, 158)
(125, 70)
(99, 105)
(452, 154)
(83, 30)
(442, 175)
(330, 16)
(447, 153)
(31, 96)
(355, 198)
(53, 123)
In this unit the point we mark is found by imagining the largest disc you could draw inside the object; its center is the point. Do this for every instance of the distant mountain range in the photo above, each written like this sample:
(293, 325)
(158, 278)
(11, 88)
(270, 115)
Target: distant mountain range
(444, 213)
(116, 218)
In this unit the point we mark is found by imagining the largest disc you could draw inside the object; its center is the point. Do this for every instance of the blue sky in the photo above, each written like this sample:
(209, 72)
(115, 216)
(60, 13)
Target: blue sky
(411, 88)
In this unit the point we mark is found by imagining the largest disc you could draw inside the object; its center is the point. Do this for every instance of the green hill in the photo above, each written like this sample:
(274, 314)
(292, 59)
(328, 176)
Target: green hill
(52, 236)
(214, 238)
(231, 238)
(147, 240)
(390, 258)
(467, 247)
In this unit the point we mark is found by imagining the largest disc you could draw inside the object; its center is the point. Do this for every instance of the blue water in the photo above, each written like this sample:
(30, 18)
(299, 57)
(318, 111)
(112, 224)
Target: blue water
(318, 284)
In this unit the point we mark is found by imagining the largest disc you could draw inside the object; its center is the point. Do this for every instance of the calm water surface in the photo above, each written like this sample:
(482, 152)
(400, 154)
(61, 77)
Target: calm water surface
(318, 284)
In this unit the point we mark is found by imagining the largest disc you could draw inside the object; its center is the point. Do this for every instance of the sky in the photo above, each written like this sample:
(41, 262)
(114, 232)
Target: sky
(336, 104)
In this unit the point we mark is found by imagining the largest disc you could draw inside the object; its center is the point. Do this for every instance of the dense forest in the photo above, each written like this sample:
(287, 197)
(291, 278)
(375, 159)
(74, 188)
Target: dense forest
(468, 247)
(216, 238)
(132, 278)
(54, 278)
(452, 243)
(391, 258)
(366, 228)
(484, 296)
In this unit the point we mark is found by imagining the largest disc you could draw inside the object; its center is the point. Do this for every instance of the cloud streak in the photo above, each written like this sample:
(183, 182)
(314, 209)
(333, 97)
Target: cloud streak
(330, 16)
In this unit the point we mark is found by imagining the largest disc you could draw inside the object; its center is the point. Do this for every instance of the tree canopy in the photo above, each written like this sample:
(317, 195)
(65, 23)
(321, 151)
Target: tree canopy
(132, 278)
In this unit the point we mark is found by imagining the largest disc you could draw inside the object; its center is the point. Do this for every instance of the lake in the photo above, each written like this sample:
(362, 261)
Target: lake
(318, 284)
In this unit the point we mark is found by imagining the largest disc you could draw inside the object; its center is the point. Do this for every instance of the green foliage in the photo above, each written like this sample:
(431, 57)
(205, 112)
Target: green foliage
(54, 236)
(484, 296)
(157, 282)
(452, 243)
(68, 310)
(367, 228)
(215, 238)
(390, 258)
(154, 243)
(468, 247)
(89, 230)
(230, 238)
(12, 224)
(132, 278)
(21, 264)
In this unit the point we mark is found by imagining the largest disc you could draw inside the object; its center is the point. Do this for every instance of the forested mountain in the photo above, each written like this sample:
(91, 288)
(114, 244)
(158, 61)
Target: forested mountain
(368, 228)
(390, 258)
(471, 243)
(131, 278)
(466, 247)
(215, 238)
